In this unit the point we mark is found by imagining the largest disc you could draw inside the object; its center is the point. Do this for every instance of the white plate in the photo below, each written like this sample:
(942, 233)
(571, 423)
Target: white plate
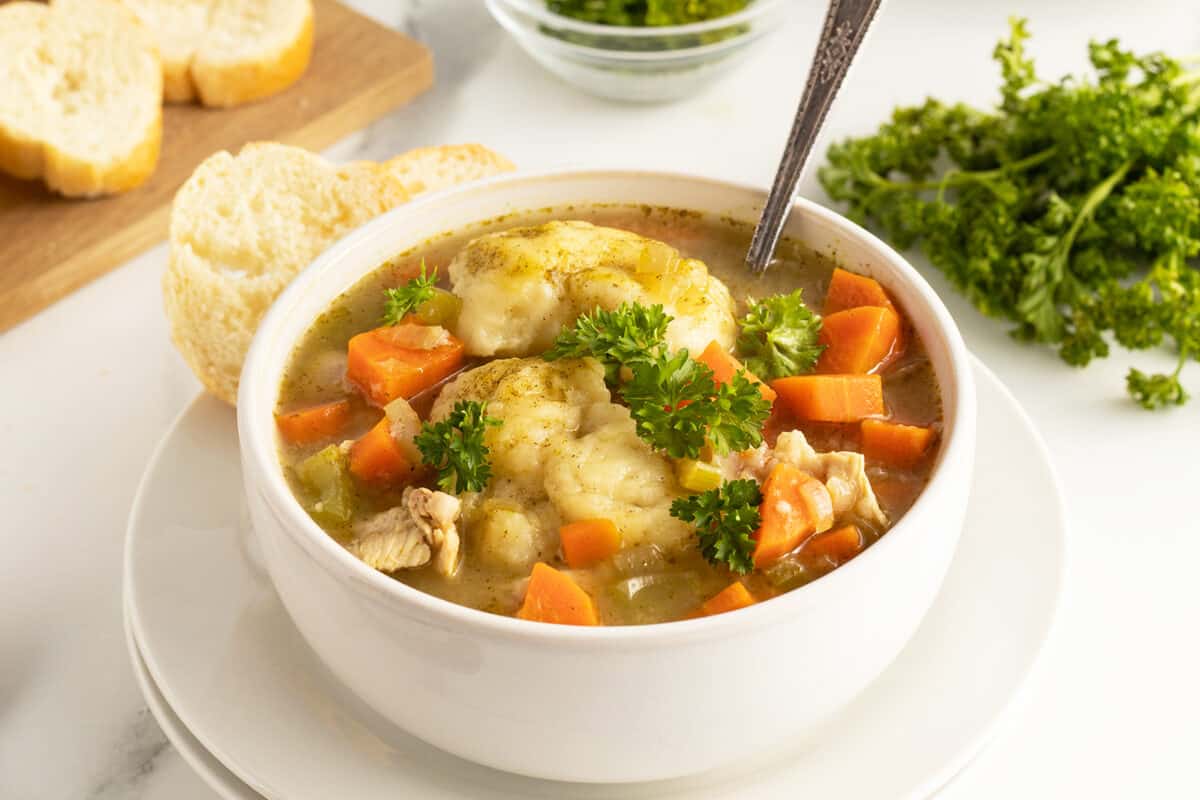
(207, 767)
(227, 659)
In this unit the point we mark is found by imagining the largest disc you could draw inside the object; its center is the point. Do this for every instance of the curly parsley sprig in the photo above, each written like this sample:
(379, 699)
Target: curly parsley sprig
(454, 447)
(779, 337)
(631, 334)
(674, 399)
(724, 518)
(1073, 209)
(405, 299)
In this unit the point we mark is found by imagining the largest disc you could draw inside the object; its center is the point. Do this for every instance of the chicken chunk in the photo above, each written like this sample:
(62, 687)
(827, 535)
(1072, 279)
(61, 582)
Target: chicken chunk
(521, 287)
(409, 534)
(844, 473)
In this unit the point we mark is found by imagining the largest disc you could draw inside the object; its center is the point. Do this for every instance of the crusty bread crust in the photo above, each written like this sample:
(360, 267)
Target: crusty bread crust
(75, 178)
(178, 86)
(19, 156)
(227, 261)
(235, 84)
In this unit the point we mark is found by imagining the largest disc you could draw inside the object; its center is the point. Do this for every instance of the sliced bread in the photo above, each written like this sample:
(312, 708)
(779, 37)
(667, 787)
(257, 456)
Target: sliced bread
(81, 100)
(243, 226)
(228, 52)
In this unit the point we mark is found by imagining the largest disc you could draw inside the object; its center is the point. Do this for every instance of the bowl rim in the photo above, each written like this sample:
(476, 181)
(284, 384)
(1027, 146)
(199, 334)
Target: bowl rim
(258, 441)
(537, 10)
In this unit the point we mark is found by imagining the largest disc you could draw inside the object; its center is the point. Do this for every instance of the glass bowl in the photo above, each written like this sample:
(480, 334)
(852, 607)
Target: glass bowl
(639, 64)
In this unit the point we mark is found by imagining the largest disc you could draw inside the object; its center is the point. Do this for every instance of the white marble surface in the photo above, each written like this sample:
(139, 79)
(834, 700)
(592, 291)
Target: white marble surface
(90, 385)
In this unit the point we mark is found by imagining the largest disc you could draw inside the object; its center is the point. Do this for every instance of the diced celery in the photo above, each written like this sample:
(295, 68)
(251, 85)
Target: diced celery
(326, 476)
(441, 309)
(697, 476)
(656, 598)
(640, 559)
(787, 574)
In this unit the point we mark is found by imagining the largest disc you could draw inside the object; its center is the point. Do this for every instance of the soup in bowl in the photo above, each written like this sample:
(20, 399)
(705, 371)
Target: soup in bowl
(542, 474)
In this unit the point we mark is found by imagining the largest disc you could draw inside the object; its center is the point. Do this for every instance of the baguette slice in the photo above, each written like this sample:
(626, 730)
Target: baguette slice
(228, 52)
(243, 226)
(431, 169)
(80, 96)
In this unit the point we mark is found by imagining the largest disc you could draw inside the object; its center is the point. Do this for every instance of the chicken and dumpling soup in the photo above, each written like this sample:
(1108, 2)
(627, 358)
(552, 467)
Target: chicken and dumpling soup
(593, 416)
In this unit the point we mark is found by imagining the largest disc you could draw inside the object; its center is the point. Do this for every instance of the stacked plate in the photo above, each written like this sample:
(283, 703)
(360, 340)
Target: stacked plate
(245, 701)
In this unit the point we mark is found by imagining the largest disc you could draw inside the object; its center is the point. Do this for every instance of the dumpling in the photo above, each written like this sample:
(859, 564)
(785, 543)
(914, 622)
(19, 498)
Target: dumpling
(521, 287)
(540, 402)
(564, 452)
(612, 474)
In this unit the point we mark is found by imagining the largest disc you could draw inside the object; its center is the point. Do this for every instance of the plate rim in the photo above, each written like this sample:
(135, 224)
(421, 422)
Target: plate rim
(159, 708)
(937, 780)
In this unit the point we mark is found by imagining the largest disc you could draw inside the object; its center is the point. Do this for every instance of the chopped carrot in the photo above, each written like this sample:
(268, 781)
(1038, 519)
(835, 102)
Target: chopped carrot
(893, 443)
(839, 545)
(725, 366)
(832, 398)
(553, 597)
(378, 458)
(858, 340)
(795, 506)
(384, 364)
(731, 598)
(849, 290)
(313, 424)
(589, 541)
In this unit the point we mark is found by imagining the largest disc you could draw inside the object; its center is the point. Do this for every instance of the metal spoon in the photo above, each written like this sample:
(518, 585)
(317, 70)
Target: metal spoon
(846, 23)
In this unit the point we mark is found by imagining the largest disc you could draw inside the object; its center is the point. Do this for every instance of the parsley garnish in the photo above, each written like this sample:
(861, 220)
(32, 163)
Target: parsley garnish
(1073, 209)
(454, 447)
(403, 300)
(631, 334)
(674, 400)
(678, 407)
(724, 519)
(779, 337)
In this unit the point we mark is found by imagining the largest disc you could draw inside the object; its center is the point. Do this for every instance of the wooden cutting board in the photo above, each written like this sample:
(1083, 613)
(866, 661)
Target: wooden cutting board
(50, 246)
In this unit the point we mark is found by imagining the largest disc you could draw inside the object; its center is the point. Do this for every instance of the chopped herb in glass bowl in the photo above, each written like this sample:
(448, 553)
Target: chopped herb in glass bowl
(646, 12)
(639, 50)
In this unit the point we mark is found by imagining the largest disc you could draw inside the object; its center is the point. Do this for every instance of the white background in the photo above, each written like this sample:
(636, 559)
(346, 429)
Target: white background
(1113, 709)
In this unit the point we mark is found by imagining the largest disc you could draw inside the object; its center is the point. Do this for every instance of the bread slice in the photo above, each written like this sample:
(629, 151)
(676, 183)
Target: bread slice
(80, 96)
(243, 226)
(228, 52)
(431, 169)
(179, 27)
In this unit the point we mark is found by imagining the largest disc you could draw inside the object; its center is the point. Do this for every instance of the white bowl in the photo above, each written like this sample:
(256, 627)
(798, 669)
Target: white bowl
(603, 704)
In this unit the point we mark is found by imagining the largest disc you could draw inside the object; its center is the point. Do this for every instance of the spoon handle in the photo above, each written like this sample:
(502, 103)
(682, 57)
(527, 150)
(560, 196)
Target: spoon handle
(846, 23)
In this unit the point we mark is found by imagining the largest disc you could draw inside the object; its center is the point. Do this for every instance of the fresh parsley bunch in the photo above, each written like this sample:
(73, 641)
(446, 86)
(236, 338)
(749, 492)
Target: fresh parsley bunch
(454, 447)
(725, 519)
(1073, 209)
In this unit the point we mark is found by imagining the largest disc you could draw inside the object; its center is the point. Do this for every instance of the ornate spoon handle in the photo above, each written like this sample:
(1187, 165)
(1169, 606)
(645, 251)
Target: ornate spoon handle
(846, 23)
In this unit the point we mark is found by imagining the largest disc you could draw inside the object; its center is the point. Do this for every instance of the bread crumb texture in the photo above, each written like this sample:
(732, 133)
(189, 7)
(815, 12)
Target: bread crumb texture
(243, 226)
(81, 101)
